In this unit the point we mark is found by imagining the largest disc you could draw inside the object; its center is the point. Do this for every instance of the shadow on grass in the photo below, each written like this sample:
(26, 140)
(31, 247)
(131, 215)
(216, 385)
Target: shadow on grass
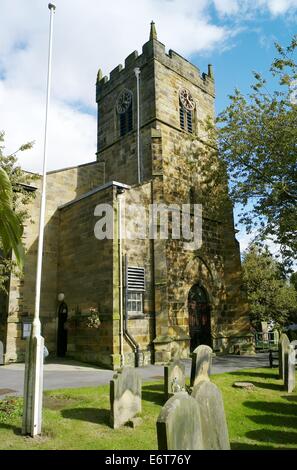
(290, 397)
(154, 394)
(275, 420)
(268, 386)
(16, 430)
(260, 375)
(91, 415)
(243, 446)
(273, 437)
(288, 409)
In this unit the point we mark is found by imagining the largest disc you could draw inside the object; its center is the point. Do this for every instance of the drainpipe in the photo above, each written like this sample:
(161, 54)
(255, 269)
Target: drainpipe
(137, 74)
(120, 274)
(128, 336)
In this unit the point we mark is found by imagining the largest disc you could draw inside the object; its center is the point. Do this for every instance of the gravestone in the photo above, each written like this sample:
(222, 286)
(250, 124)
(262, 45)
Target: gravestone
(179, 424)
(174, 378)
(212, 413)
(1, 354)
(282, 347)
(289, 369)
(125, 396)
(244, 385)
(201, 364)
(264, 328)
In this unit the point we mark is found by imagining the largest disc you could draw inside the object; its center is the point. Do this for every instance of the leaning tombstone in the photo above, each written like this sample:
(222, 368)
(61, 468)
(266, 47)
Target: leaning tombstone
(1, 354)
(179, 424)
(213, 420)
(174, 378)
(282, 347)
(289, 368)
(125, 396)
(201, 364)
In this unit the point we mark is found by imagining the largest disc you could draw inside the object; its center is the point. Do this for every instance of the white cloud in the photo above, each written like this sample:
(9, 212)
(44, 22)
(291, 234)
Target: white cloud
(89, 35)
(72, 135)
(250, 8)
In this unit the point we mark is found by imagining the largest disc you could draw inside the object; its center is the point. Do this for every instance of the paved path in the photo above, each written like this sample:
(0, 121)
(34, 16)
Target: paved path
(72, 374)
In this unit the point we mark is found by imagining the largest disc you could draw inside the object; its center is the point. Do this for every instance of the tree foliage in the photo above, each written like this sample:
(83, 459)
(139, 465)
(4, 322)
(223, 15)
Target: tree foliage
(257, 139)
(11, 228)
(270, 295)
(13, 200)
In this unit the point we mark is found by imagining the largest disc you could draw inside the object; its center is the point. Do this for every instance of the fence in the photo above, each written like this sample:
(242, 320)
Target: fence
(266, 341)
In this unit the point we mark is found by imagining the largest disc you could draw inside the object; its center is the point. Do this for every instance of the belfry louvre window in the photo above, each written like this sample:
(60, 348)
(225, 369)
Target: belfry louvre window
(186, 109)
(124, 109)
(135, 279)
(186, 119)
(126, 122)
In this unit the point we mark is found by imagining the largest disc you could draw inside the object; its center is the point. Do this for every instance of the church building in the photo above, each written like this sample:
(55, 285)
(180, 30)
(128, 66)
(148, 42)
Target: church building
(114, 300)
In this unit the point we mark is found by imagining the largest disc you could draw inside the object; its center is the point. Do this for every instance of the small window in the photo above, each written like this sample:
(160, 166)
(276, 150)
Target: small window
(134, 303)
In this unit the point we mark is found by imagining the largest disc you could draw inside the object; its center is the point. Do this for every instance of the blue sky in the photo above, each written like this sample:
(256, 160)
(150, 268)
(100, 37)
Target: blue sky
(236, 36)
(252, 50)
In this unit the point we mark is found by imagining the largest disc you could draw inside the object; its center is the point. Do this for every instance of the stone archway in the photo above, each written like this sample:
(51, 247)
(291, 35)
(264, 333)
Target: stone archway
(199, 311)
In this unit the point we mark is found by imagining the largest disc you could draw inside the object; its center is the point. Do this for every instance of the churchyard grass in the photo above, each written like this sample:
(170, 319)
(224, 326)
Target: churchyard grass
(262, 418)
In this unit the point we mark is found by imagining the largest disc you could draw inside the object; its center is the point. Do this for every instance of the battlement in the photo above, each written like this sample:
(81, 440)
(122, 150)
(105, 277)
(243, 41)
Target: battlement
(155, 50)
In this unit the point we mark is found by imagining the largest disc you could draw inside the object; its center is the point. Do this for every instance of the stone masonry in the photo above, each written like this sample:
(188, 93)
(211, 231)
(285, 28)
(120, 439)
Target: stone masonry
(88, 270)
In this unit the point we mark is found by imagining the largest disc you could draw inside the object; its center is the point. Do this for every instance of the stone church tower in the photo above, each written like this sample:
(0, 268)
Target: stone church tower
(157, 299)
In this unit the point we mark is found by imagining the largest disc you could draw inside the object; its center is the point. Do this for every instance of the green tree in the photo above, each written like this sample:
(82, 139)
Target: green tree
(270, 296)
(13, 200)
(257, 139)
(293, 280)
(11, 228)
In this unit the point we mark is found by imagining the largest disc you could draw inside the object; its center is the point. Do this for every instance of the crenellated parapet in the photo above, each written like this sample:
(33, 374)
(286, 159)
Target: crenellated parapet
(155, 50)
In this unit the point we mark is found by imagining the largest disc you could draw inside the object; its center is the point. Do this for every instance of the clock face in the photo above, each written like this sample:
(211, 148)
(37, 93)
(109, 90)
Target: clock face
(186, 99)
(124, 101)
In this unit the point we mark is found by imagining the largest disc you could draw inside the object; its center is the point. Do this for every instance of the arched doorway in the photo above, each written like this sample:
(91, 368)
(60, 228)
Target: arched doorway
(199, 317)
(62, 332)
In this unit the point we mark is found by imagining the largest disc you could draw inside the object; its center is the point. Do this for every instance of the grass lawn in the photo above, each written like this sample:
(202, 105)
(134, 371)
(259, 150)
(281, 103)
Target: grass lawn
(264, 418)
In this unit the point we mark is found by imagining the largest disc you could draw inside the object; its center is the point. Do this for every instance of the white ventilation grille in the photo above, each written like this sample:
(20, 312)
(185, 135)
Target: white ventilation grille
(135, 278)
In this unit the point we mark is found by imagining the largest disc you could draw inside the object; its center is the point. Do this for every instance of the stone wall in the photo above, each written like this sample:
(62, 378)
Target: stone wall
(86, 278)
(62, 186)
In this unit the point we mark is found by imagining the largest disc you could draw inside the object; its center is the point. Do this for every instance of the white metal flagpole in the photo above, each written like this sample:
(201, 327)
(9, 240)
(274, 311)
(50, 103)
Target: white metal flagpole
(32, 416)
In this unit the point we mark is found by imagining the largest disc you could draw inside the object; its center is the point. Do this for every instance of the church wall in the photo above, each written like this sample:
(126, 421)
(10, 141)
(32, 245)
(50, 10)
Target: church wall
(120, 153)
(86, 279)
(62, 186)
(140, 253)
(182, 162)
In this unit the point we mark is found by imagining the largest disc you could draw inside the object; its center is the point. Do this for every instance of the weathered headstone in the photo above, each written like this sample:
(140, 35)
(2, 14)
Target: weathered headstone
(201, 364)
(289, 368)
(1, 354)
(125, 396)
(282, 347)
(174, 378)
(264, 328)
(179, 424)
(244, 385)
(213, 420)
(276, 337)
